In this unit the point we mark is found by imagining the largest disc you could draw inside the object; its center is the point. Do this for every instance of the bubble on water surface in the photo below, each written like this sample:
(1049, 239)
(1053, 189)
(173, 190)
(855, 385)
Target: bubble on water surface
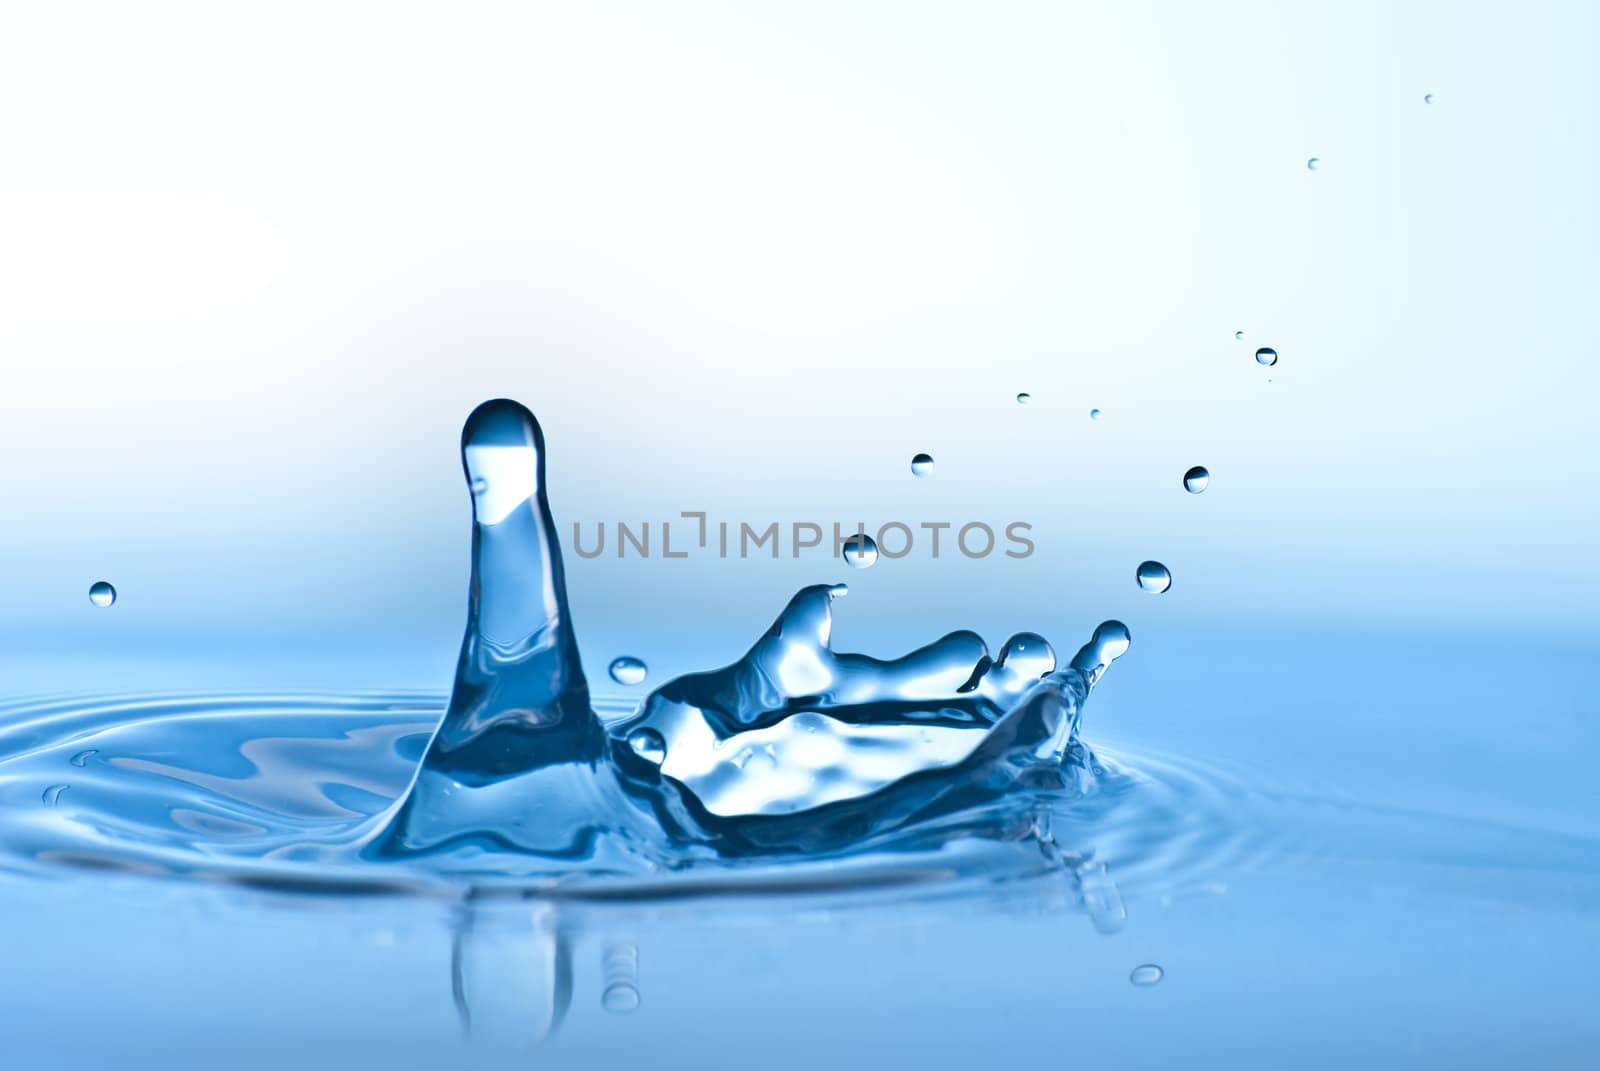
(922, 465)
(1196, 479)
(628, 670)
(1153, 577)
(102, 593)
(1146, 974)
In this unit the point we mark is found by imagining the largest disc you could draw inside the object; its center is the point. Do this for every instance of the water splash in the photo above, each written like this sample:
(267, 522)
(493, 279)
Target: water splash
(793, 756)
(792, 748)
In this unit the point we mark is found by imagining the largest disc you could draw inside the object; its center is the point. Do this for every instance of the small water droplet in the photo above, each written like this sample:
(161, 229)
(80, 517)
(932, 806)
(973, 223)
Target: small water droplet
(1146, 974)
(649, 745)
(628, 670)
(1238, 334)
(1427, 98)
(860, 552)
(102, 593)
(1153, 577)
(1196, 479)
(621, 964)
(922, 465)
(620, 998)
(1267, 355)
(1312, 163)
(479, 485)
(1024, 398)
(53, 793)
(82, 758)
(1094, 414)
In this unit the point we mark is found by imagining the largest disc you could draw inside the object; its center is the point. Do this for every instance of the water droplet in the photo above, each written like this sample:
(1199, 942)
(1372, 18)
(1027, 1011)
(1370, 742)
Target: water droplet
(922, 465)
(649, 745)
(1312, 163)
(860, 552)
(620, 998)
(1267, 355)
(1238, 334)
(53, 793)
(1146, 974)
(102, 593)
(1024, 398)
(1153, 577)
(628, 670)
(478, 485)
(1094, 414)
(621, 964)
(1196, 479)
(82, 758)
(1427, 98)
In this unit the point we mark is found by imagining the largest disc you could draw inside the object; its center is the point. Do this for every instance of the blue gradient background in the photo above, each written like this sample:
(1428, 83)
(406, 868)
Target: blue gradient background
(256, 265)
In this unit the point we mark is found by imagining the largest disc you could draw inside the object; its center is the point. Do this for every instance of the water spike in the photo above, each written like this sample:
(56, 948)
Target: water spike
(520, 700)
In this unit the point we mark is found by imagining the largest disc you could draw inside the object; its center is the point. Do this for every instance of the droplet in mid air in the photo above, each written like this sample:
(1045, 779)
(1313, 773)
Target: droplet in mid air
(1238, 334)
(1312, 164)
(1146, 975)
(1195, 480)
(1094, 414)
(1267, 355)
(922, 465)
(649, 745)
(1024, 398)
(1153, 577)
(860, 552)
(1427, 98)
(628, 670)
(102, 593)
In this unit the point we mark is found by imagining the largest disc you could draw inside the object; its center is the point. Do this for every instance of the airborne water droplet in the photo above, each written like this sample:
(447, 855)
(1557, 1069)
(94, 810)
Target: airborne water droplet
(860, 552)
(628, 670)
(1267, 355)
(1238, 334)
(648, 745)
(1196, 479)
(1024, 398)
(1094, 414)
(1311, 164)
(1153, 577)
(102, 593)
(922, 465)
(1146, 974)
(1427, 98)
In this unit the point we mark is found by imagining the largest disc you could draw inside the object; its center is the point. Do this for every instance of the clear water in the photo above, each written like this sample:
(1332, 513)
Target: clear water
(1340, 792)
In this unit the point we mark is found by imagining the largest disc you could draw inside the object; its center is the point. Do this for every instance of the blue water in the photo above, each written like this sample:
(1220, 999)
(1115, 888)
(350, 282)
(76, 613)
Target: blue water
(1334, 806)
(930, 857)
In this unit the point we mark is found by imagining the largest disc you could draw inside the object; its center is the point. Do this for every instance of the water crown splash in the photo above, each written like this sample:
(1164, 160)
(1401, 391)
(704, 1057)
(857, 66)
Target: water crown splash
(794, 748)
